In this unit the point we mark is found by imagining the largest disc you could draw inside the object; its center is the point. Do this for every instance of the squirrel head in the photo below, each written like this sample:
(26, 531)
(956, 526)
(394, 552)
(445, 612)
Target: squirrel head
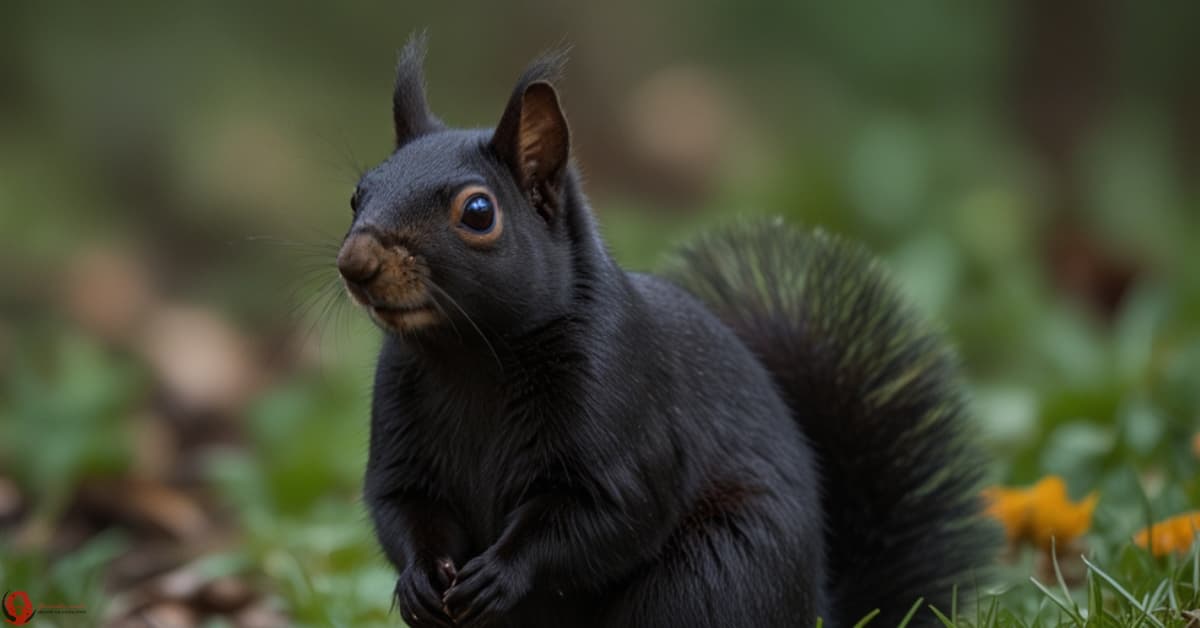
(473, 231)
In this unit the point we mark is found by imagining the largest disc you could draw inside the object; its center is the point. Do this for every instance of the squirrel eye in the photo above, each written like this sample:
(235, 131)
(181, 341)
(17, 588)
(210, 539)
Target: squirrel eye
(354, 201)
(478, 213)
(476, 216)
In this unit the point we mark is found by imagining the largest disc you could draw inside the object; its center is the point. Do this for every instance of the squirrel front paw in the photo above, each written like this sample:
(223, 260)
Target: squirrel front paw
(486, 588)
(419, 591)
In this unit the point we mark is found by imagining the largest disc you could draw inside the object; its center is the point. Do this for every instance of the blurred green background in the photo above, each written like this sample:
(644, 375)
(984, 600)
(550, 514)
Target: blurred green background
(184, 391)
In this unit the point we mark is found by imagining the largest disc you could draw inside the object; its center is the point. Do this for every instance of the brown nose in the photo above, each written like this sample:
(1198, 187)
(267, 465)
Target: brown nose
(360, 258)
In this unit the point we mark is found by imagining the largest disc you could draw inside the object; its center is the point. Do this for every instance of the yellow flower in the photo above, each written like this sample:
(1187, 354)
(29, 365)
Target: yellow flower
(1041, 512)
(1170, 535)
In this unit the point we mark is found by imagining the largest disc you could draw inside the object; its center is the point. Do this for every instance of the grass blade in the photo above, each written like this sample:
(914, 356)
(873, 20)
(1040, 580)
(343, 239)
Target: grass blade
(1125, 594)
(993, 608)
(1070, 610)
(912, 611)
(1195, 575)
(1062, 583)
(954, 605)
(866, 620)
(1095, 598)
(1156, 599)
(946, 621)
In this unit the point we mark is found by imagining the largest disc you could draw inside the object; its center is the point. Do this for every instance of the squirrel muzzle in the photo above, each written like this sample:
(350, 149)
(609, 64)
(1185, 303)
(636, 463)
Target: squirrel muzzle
(389, 281)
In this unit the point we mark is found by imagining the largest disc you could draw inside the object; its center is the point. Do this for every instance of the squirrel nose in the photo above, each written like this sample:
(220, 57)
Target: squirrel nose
(359, 260)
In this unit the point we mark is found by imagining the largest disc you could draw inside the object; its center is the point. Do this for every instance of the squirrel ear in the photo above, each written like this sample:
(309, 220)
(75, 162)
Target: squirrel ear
(410, 112)
(533, 140)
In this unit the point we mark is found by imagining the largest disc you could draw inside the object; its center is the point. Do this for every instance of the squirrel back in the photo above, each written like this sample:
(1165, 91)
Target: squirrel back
(770, 438)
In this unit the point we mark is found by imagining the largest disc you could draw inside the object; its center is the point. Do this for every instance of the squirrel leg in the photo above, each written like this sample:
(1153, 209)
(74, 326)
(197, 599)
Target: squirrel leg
(423, 541)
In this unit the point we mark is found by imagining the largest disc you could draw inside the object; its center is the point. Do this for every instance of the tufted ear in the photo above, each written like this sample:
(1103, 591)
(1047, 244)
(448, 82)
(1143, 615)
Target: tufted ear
(410, 112)
(533, 139)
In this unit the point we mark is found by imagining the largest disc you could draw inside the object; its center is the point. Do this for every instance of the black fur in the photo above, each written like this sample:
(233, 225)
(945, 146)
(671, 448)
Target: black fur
(575, 445)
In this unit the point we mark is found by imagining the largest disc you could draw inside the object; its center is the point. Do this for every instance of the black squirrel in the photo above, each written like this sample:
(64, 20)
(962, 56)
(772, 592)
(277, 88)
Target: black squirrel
(767, 436)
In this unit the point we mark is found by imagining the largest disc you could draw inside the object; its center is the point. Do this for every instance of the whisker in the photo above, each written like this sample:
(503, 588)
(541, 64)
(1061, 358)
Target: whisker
(337, 143)
(270, 239)
(464, 275)
(317, 296)
(446, 316)
(323, 248)
(302, 327)
(331, 238)
(320, 303)
(332, 303)
(341, 322)
(311, 279)
(434, 286)
(308, 264)
(311, 296)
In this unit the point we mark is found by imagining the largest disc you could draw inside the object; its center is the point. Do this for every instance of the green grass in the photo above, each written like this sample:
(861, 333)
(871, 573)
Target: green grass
(856, 130)
(306, 536)
(1110, 408)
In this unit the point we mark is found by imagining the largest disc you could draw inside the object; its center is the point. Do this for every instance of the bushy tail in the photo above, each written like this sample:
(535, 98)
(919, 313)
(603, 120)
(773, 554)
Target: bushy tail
(879, 395)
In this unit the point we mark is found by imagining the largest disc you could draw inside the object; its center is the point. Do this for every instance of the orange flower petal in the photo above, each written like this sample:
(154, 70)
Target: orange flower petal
(1174, 534)
(1011, 508)
(1041, 512)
